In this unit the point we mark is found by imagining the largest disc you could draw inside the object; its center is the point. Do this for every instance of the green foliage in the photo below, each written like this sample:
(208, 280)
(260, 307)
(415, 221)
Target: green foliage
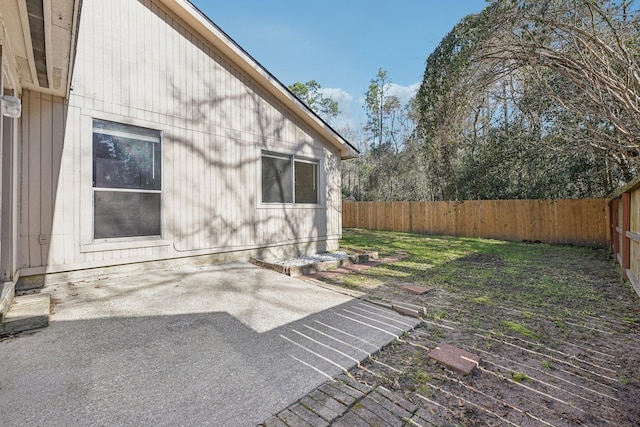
(310, 94)
(529, 99)
(504, 110)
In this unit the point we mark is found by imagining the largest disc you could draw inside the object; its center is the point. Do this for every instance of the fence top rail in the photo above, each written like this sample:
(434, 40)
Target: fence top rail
(630, 186)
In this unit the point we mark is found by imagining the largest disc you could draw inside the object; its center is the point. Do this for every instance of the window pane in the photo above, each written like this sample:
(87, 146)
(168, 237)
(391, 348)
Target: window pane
(125, 163)
(306, 182)
(126, 157)
(126, 214)
(277, 180)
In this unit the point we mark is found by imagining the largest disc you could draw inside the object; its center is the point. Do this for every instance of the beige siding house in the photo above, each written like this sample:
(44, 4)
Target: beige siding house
(147, 135)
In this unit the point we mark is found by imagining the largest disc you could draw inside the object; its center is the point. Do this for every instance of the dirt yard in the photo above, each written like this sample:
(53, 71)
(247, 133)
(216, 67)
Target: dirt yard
(557, 330)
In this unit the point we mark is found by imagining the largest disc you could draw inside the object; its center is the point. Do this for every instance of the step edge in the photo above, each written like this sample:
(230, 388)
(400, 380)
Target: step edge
(7, 295)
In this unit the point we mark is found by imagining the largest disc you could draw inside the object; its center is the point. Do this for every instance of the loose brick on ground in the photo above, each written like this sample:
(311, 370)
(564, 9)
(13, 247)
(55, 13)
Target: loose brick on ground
(455, 358)
(415, 289)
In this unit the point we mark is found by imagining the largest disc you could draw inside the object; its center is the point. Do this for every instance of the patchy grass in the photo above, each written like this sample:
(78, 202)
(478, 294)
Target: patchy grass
(556, 320)
(524, 276)
(519, 377)
(519, 329)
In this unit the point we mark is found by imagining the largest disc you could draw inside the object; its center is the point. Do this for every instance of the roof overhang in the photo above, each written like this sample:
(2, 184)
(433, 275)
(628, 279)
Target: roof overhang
(38, 38)
(200, 23)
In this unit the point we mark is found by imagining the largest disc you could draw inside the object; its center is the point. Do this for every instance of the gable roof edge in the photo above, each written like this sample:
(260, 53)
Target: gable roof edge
(204, 26)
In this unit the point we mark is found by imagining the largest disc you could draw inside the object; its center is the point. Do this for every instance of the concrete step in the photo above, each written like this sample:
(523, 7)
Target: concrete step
(7, 293)
(27, 312)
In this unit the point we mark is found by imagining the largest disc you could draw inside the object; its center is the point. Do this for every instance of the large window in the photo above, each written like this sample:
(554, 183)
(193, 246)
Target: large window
(126, 181)
(287, 179)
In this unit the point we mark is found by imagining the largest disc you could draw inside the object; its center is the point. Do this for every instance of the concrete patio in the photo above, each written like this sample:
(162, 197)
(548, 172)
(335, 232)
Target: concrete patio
(228, 344)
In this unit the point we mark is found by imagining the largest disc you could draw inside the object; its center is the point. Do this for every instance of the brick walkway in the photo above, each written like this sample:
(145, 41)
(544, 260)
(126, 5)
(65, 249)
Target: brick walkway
(346, 402)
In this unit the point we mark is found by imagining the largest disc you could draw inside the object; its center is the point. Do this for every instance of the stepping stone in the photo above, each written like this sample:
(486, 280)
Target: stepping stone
(415, 289)
(455, 358)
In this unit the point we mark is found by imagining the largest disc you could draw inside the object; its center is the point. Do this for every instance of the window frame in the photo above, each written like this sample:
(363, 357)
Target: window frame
(144, 134)
(293, 159)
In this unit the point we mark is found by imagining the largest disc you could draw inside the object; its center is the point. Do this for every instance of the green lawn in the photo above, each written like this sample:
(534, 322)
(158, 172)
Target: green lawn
(557, 329)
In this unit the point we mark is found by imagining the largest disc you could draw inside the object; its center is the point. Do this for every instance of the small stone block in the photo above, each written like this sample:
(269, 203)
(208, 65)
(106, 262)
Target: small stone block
(406, 311)
(411, 306)
(414, 289)
(455, 358)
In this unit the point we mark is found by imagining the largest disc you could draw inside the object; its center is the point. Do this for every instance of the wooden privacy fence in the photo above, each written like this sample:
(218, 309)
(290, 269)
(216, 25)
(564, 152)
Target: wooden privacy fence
(625, 231)
(583, 222)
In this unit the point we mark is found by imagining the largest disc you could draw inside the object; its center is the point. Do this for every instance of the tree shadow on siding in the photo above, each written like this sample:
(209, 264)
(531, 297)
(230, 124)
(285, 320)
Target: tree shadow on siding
(216, 205)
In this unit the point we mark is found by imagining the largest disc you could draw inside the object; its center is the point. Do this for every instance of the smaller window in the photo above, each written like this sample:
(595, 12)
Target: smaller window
(286, 179)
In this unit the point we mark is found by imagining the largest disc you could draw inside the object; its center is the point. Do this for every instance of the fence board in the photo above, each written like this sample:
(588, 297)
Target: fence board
(583, 222)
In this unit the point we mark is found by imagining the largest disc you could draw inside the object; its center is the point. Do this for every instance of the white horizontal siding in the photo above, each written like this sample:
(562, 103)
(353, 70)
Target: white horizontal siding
(138, 64)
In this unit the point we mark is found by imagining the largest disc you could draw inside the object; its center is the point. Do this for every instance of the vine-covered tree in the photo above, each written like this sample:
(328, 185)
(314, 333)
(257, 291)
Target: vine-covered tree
(535, 99)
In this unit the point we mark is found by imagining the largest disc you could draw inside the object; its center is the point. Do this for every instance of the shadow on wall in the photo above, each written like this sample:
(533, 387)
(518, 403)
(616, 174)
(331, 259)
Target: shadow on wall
(215, 195)
(45, 122)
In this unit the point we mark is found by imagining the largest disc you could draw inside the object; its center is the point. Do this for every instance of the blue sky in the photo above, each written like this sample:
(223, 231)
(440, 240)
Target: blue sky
(341, 43)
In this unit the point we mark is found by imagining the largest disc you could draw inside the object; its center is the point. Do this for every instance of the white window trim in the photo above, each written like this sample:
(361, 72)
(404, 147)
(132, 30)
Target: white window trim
(84, 157)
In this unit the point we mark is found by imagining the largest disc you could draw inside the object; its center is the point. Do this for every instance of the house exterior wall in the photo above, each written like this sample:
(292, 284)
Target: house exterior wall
(138, 64)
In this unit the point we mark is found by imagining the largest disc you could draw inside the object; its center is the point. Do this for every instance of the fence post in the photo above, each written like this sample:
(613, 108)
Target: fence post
(626, 225)
(615, 238)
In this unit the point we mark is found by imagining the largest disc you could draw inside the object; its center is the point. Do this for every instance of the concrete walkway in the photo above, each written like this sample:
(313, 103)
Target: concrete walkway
(228, 345)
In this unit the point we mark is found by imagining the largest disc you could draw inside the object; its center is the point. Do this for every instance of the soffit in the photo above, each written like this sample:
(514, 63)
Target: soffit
(40, 38)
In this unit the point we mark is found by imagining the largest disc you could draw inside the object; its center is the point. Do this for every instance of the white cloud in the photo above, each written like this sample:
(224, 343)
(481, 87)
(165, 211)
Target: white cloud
(404, 93)
(351, 112)
(337, 94)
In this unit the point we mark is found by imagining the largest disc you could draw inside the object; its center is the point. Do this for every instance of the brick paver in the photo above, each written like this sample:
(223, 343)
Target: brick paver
(455, 358)
(346, 402)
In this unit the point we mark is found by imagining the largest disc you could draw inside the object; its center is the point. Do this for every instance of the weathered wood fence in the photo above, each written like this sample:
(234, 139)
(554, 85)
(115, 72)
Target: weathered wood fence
(625, 231)
(583, 222)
